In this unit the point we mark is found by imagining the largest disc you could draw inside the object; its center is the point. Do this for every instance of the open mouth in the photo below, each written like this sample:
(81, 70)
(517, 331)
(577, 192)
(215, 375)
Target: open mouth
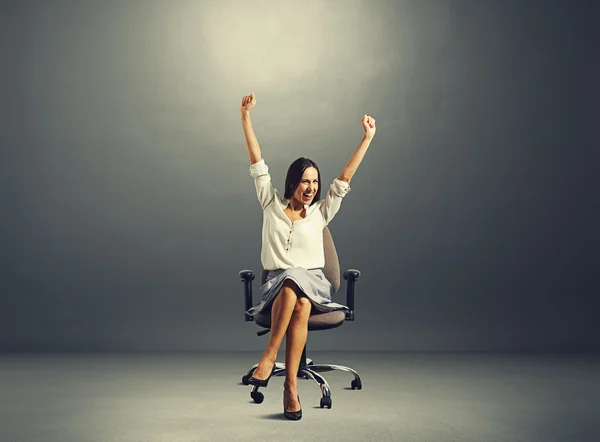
(307, 196)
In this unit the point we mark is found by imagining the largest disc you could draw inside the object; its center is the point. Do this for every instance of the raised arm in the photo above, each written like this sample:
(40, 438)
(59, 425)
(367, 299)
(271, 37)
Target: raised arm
(258, 169)
(248, 103)
(349, 170)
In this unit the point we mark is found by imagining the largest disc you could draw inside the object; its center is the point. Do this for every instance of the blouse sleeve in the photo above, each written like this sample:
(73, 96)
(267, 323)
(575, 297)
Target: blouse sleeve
(262, 181)
(337, 190)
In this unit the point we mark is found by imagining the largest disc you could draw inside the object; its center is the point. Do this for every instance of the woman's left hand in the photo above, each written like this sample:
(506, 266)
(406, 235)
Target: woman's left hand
(368, 123)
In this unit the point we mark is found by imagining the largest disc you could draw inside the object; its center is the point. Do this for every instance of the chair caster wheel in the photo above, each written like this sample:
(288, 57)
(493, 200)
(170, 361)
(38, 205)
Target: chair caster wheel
(326, 402)
(356, 385)
(257, 396)
(245, 379)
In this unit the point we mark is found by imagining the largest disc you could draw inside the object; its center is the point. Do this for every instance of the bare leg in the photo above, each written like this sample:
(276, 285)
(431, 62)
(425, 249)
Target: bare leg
(294, 345)
(281, 313)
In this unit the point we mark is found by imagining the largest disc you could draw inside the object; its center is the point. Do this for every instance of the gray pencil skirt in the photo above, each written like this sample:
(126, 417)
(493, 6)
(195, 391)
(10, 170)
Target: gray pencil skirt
(312, 282)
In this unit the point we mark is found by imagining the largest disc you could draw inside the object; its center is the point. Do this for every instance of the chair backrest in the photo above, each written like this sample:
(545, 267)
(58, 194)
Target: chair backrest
(332, 263)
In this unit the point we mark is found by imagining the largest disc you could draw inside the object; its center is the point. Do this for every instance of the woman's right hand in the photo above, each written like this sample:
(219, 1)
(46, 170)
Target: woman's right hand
(248, 102)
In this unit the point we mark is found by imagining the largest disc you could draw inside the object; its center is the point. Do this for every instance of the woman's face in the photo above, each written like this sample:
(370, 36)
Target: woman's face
(309, 184)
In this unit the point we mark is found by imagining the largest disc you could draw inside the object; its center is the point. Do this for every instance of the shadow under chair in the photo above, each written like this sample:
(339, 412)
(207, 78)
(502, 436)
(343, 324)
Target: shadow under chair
(317, 321)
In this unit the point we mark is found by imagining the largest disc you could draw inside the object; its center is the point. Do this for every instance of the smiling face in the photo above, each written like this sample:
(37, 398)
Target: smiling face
(308, 187)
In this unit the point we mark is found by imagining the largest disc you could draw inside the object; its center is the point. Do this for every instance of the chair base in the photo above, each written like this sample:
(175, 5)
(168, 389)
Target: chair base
(307, 370)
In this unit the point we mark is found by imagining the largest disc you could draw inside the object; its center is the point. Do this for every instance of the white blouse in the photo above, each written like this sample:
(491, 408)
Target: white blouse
(287, 244)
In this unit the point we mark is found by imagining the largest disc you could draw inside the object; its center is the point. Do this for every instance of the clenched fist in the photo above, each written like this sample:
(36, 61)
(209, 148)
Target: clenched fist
(368, 123)
(248, 102)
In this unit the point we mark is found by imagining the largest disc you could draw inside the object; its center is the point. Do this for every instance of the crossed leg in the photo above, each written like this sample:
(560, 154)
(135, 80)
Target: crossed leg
(289, 317)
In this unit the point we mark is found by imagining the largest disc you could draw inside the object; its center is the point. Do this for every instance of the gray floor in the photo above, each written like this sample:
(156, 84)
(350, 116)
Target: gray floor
(200, 397)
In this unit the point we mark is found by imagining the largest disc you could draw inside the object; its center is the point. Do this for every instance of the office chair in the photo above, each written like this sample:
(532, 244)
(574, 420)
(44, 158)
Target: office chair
(317, 321)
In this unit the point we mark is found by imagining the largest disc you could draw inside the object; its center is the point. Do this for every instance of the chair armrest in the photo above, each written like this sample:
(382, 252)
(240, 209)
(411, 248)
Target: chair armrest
(350, 275)
(247, 278)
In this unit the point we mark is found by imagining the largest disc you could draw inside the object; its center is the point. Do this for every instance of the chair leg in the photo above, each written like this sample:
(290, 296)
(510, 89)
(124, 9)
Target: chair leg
(356, 382)
(325, 390)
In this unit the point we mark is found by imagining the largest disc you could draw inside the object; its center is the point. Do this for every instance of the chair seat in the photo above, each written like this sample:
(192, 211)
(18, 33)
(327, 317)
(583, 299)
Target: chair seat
(316, 321)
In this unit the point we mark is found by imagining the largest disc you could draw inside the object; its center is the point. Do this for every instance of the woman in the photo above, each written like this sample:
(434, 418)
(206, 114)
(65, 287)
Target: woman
(292, 252)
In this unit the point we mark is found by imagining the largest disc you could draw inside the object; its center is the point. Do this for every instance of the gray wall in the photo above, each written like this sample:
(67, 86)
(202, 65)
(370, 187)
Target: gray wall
(128, 209)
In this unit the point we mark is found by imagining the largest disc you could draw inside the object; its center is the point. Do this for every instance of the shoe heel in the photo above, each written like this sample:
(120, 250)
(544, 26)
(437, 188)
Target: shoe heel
(293, 415)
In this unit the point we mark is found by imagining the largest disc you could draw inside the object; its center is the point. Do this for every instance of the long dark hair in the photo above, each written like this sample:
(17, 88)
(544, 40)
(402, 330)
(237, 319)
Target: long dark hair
(294, 176)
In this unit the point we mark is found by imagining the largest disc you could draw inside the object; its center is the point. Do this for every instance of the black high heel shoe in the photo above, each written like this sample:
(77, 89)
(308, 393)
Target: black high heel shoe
(261, 382)
(293, 415)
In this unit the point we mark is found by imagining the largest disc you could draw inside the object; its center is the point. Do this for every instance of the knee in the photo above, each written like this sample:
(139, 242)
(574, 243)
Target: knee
(302, 307)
